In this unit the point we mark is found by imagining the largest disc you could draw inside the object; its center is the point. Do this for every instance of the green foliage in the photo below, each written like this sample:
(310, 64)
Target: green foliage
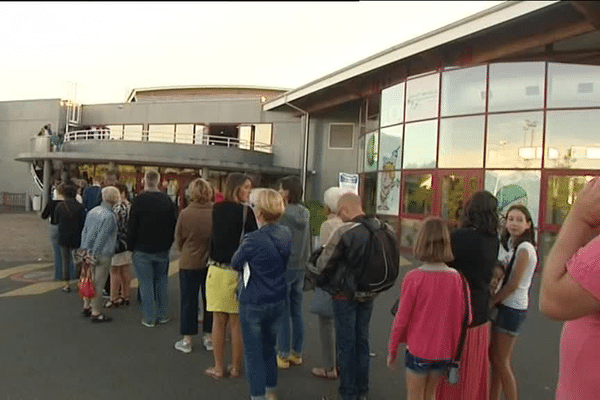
(318, 215)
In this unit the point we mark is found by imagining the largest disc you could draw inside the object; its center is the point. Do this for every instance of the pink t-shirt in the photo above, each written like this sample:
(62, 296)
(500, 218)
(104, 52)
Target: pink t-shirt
(430, 313)
(579, 373)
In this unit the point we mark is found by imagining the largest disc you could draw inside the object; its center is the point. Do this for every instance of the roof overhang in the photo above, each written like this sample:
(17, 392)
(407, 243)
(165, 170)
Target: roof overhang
(504, 32)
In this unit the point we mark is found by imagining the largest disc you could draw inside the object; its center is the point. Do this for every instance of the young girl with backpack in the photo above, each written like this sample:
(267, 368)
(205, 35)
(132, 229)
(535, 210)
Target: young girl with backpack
(431, 313)
(512, 300)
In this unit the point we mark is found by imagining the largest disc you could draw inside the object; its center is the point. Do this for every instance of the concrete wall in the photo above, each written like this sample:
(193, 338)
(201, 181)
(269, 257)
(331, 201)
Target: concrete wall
(19, 122)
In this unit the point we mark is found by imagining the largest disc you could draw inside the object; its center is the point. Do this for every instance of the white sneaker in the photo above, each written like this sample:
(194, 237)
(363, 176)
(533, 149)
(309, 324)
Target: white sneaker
(148, 325)
(207, 342)
(183, 346)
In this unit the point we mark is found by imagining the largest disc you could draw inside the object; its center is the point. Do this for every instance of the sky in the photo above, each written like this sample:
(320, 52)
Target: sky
(97, 52)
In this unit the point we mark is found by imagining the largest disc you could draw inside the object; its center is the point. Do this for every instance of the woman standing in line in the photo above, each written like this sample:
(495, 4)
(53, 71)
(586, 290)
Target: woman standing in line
(475, 247)
(49, 212)
(192, 237)
(230, 220)
(120, 269)
(512, 300)
(262, 296)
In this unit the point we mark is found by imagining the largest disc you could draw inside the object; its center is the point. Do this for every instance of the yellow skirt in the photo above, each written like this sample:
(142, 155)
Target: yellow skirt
(221, 286)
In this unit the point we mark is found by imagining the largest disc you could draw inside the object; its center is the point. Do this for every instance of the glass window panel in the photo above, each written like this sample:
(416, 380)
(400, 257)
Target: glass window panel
(388, 192)
(516, 86)
(572, 139)
(392, 105)
(133, 132)
(562, 191)
(184, 133)
(390, 148)
(371, 151)
(463, 91)
(417, 194)
(571, 85)
(373, 108)
(514, 140)
(161, 133)
(409, 228)
(263, 138)
(200, 134)
(461, 142)
(341, 136)
(245, 134)
(116, 131)
(453, 193)
(422, 97)
(420, 145)
(545, 243)
(515, 187)
(370, 188)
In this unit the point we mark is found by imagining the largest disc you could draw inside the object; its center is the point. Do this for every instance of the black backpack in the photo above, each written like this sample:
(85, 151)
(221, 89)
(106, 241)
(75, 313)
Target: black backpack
(381, 269)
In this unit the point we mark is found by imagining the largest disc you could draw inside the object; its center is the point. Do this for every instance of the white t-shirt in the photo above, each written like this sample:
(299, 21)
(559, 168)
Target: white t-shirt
(519, 299)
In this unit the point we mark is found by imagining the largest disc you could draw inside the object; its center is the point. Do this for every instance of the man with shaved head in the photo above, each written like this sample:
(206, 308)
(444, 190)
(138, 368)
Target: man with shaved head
(338, 271)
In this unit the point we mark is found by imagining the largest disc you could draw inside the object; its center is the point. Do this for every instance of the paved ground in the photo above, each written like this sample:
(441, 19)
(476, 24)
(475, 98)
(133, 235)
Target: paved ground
(48, 352)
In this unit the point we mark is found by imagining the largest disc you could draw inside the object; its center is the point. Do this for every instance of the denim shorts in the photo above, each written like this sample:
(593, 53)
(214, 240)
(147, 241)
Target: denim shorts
(509, 320)
(423, 367)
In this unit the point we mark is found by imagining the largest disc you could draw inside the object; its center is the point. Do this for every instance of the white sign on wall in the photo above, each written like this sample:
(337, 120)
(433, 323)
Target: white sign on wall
(349, 181)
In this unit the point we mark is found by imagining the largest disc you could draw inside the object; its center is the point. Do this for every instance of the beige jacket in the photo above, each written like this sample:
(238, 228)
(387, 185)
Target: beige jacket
(192, 235)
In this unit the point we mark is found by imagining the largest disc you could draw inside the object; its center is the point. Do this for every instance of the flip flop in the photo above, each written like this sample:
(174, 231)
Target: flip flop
(322, 373)
(233, 372)
(213, 373)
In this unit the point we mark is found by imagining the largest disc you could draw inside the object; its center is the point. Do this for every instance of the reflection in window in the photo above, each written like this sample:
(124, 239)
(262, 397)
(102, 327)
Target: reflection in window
(514, 140)
(200, 134)
(245, 135)
(132, 132)
(422, 97)
(417, 194)
(463, 91)
(572, 139)
(516, 86)
(388, 193)
(263, 137)
(361, 154)
(409, 228)
(370, 187)
(373, 108)
(184, 133)
(420, 145)
(453, 189)
(161, 133)
(515, 187)
(572, 85)
(461, 142)
(371, 151)
(116, 131)
(390, 148)
(392, 105)
(562, 191)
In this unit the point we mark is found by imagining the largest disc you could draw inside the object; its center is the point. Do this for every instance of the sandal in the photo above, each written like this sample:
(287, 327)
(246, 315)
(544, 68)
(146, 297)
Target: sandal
(66, 289)
(213, 373)
(111, 304)
(326, 374)
(101, 318)
(87, 312)
(233, 372)
(124, 302)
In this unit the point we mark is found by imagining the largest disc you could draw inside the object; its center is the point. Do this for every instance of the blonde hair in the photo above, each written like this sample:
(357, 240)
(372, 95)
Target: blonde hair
(269, 204)
(111, 195)
(433, 241)
(200, 191)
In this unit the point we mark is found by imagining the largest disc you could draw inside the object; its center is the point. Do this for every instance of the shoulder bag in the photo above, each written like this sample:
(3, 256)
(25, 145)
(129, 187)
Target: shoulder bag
(452, 370)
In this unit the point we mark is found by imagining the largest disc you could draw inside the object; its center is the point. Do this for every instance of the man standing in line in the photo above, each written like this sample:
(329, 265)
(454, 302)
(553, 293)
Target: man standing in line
(150, 234)
(341, 258)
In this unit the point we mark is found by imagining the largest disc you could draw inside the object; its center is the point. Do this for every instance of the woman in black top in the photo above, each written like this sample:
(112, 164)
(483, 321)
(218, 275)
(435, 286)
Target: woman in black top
(475, 246)
(69, 216)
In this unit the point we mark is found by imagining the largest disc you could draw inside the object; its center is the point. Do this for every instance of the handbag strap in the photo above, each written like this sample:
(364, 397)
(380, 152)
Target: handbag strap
(243, 222)
(465, 322)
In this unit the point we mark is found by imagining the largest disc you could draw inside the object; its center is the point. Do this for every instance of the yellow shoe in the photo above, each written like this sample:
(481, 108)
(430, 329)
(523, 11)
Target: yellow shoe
(282, 363)
(295, 359)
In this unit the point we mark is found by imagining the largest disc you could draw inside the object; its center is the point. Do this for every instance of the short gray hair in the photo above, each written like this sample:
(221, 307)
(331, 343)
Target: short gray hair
(151, 178)
(111, 195)
(331, 197)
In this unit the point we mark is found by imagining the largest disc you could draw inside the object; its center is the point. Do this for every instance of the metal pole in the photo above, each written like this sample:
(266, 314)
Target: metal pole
(46, 182)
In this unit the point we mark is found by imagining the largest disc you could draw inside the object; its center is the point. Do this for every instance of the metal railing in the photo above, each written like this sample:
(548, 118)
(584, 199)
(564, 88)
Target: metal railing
(167, 137)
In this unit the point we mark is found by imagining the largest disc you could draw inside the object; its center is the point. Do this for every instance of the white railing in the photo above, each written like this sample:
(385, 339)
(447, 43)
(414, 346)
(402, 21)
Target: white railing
(164, 137)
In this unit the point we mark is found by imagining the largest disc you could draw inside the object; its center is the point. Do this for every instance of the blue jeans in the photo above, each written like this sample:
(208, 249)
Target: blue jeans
(259, 332)
(292, 315)
(352, 335)
(152, 272)
(58, 268)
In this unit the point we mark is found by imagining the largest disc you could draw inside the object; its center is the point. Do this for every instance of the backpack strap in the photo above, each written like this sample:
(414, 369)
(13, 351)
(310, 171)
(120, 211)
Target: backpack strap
(463, 330)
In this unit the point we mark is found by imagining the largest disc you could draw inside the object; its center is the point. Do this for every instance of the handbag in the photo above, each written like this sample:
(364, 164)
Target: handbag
(85, 262)
(452, 370)
(240, 283)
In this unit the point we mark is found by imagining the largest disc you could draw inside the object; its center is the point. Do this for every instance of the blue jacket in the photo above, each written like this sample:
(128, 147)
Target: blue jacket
(297, 218)
(267, 251)
(100, 231)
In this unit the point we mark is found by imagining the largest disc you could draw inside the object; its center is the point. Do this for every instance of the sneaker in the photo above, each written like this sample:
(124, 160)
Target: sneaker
(295, 359)
(183, 346)
(207, 342)
(164, 320)
(282, 363)
(147, 325)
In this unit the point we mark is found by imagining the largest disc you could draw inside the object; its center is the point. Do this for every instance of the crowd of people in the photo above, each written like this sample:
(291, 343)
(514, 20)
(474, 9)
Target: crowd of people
(244, 265)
